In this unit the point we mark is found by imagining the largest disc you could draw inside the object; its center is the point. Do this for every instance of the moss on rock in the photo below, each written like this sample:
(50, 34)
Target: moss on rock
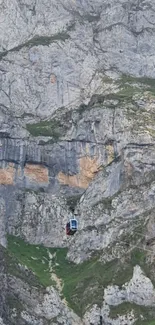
(144, 315)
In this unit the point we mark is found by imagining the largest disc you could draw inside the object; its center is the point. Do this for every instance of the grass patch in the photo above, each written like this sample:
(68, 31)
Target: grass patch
(143, 80)
(83, 284)
(147, 313)
(55, 128)
(107, 80)
(51, 128)
(129, 86)
(34, 257)
(47, 40)
(124, 94)
(138, 257)
(118, 96)
(127, 92)
(13, 267)
(41, 40)
(144, 83)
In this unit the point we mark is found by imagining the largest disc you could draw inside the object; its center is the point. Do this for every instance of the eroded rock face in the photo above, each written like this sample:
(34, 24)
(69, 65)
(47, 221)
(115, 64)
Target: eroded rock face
(77, 132)
(139, 290)
(58, 57)
(41, 307)
(32, 165)
(44, 218)
(95, 313)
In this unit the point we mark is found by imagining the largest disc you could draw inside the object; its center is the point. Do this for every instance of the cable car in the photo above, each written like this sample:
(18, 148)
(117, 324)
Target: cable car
(71, 227)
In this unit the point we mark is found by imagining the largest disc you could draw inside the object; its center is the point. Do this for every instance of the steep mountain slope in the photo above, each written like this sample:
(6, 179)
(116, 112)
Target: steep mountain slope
(77, 132)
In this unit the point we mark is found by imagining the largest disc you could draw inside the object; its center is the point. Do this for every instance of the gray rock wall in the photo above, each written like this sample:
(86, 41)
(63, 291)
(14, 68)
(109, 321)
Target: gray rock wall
(57, 54)
(77, 130)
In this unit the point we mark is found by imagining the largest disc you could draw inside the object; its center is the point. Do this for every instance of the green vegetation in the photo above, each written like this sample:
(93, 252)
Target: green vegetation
(37, 40)
(147, 313)
(125, 308)
(55, 128)
(83, 284)
(51, 128)
(47, 40)
(125, 93)
(138, 257)
(141, 80)
(34, 257)
(13, 266)
(41, 40)
(129, 86)
(141, 83)
(125, 270)
(107, 80)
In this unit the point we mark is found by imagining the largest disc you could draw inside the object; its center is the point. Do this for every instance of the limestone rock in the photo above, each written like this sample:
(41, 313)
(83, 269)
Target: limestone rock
(77, 133)
(40, 308)
(3, 240)
(1, 321)
(94, 314)
(44, 218)
(61, 59)
(139, 290)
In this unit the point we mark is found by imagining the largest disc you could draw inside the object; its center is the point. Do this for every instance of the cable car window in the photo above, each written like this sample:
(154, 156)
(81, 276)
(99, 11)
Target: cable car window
(74, 224)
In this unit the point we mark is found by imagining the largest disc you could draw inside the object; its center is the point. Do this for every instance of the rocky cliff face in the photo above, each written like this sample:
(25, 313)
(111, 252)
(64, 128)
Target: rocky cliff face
(77, 132)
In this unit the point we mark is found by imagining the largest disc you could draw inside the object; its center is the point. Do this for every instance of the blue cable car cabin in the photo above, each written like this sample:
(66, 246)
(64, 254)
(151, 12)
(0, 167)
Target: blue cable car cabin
(71, 227)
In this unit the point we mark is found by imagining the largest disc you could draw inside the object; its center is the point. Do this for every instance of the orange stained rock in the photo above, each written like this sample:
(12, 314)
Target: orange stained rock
(88, 168)
(7, 175)
(36, 173)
